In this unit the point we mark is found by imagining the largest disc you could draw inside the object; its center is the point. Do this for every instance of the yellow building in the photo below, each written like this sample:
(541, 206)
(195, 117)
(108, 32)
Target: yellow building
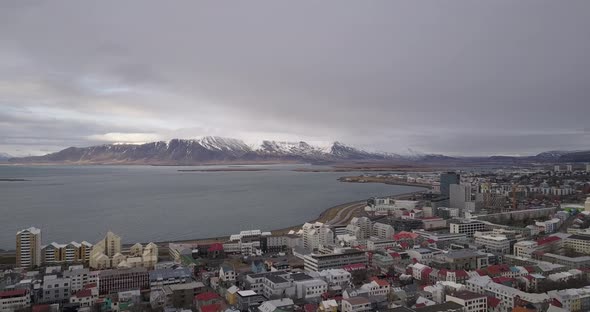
(28, 247)
(107, 254)
(231, 295)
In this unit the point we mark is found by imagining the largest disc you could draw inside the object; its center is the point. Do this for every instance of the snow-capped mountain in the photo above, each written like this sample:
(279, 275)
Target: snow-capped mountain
(209, 150)
(206, 150)
(4, 156)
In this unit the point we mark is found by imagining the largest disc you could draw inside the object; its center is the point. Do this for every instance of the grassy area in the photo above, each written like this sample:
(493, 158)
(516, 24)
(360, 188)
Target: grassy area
(7, 259)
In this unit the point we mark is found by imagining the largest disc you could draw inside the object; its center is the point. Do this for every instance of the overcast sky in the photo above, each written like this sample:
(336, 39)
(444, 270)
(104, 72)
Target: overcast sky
(453, 77)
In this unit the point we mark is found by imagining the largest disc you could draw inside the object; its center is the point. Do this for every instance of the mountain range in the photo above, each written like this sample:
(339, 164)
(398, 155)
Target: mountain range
(209, 150)
(4, 157)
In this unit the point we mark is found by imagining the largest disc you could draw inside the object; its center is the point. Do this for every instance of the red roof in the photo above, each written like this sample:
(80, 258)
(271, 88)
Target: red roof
(215, 247)
(395, 254)
(442, 272)
(83, 293)
(206, 296)
(547, 240)
(216, 307)
(481, 272)
(13, 293)
(379, 281)
(556, 303)
(353, 267)
(41, 308)
(310, 307)
(461, 273)
(528, 276)
(530, 269)
(493, 302)
(90, 285)
(405, 235)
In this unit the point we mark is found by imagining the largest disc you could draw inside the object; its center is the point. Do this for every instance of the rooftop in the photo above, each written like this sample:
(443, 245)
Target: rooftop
(580, 237)
(443, 307)
(466, 295)
(13, 293)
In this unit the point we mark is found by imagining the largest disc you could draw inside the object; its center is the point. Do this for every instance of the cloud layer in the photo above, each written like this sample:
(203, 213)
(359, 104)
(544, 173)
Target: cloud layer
(471, 78)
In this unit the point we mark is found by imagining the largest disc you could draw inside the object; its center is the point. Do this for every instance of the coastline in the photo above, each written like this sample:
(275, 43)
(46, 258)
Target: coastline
(326, 216)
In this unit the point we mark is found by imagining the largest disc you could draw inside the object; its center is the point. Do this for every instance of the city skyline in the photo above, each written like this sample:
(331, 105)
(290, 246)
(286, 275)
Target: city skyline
(463, 78)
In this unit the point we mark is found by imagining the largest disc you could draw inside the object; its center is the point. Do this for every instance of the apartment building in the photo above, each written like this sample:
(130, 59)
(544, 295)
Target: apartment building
(80, 277)
(382, 230)
(56, 289)
(316, 235)
(578, 243)
(28, 247)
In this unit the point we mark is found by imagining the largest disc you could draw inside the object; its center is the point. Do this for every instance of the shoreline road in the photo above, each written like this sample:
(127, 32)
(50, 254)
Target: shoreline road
(349, 210)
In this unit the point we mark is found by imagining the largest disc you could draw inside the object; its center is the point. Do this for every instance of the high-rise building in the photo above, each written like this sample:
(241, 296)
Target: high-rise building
(587, 167)
(569, 168)
(556, 168)
(460, 195)
(446, 179)
(28, 247)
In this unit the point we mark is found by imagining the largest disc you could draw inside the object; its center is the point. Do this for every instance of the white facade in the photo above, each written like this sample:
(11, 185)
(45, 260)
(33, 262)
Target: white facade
(13, 300)
(337, 277)
(383, 230)
(308, 289)
(316, 235)
(469, 227)
(493, 242)
(471, 301)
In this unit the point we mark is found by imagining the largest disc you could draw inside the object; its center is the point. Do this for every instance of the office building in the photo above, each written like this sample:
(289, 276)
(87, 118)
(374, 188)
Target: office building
(446, 179)
(460, 197)
(113, 281)
(493, 242)
(28, 247)
(336, 260)
(468, 227)
(578, 243)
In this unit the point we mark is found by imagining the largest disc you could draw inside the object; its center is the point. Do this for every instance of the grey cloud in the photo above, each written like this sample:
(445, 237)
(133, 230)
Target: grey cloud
(460, 78)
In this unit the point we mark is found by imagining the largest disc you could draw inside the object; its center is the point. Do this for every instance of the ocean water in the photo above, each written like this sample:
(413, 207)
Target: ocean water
(152, 203)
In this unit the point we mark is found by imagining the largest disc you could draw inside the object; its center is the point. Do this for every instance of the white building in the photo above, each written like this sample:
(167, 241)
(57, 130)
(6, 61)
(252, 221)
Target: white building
(383, 230)
(80, 277)
(525, 248)
(310, 288)
(356, 304)
(493, 242)
(469, 227)
(361, 227)
(28, 247)
(339, 259)
(473, 302)
(11, 300)
(337, 277)
(316, 235)
(571, 299)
